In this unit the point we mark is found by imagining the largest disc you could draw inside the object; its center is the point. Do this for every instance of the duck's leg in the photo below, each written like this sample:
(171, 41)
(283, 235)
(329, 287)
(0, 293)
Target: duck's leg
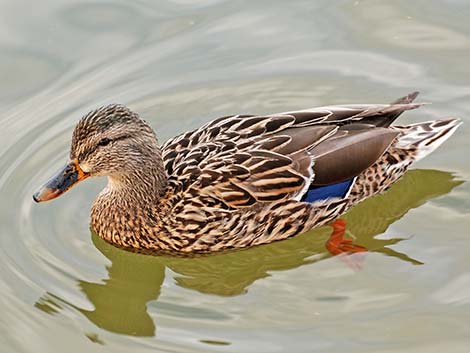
(337, 244)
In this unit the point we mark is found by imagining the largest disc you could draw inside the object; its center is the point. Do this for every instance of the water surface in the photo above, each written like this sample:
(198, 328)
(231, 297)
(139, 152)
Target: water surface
(180, 63)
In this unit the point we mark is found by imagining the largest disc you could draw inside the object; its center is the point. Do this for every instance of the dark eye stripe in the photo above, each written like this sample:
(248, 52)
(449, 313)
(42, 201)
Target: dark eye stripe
(123, 137)
(104, 142)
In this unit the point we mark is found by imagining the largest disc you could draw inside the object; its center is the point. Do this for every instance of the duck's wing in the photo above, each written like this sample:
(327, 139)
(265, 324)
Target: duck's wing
(255, 160)
(242, 160)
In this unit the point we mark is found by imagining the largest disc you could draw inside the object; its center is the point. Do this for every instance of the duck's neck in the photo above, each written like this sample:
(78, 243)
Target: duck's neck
(130, 203)
(143, 186)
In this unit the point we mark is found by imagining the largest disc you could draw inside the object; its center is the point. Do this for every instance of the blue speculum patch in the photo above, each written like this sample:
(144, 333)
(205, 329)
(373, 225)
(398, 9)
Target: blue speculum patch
(317, 193)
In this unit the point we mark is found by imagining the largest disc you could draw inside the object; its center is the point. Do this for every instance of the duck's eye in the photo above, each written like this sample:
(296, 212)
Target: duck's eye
(105, 141)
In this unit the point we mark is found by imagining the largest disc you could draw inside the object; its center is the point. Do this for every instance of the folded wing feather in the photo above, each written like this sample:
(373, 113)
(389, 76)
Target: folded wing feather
(245, 160)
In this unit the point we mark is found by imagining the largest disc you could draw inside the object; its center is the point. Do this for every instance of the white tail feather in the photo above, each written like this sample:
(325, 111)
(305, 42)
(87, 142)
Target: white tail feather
(427, 136)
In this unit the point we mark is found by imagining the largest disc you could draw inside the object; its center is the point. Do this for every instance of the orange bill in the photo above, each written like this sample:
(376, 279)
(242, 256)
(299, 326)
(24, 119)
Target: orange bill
(70, 175)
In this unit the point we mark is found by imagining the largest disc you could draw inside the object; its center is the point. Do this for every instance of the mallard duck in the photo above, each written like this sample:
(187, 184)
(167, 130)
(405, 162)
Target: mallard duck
(241, 180)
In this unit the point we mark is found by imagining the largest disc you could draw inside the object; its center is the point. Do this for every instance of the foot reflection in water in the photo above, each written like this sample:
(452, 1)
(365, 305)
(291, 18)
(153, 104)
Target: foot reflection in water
(351, 254)
(120, 301)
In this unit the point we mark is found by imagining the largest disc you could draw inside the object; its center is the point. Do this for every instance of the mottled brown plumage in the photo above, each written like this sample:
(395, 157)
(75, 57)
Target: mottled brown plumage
(238, 181)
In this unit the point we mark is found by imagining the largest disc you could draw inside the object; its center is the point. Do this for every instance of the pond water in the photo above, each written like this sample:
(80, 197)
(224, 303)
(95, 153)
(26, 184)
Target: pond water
(181, 63)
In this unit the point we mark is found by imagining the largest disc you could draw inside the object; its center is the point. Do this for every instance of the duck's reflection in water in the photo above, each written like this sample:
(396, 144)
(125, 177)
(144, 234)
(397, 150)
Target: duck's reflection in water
(120, 301)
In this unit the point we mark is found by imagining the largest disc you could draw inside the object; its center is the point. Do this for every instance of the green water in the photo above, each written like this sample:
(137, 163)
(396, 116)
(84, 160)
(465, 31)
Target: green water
(180, 63)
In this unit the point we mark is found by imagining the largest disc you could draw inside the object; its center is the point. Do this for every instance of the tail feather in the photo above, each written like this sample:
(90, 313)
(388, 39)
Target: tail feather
(409, 98)
(413, 143)
(425, 137)
(385, 116)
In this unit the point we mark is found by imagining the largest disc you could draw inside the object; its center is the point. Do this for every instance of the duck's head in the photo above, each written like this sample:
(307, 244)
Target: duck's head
(110, 141)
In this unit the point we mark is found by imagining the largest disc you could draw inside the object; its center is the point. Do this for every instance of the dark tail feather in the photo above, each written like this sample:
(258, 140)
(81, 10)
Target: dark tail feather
(406, 99)
(385, 117)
